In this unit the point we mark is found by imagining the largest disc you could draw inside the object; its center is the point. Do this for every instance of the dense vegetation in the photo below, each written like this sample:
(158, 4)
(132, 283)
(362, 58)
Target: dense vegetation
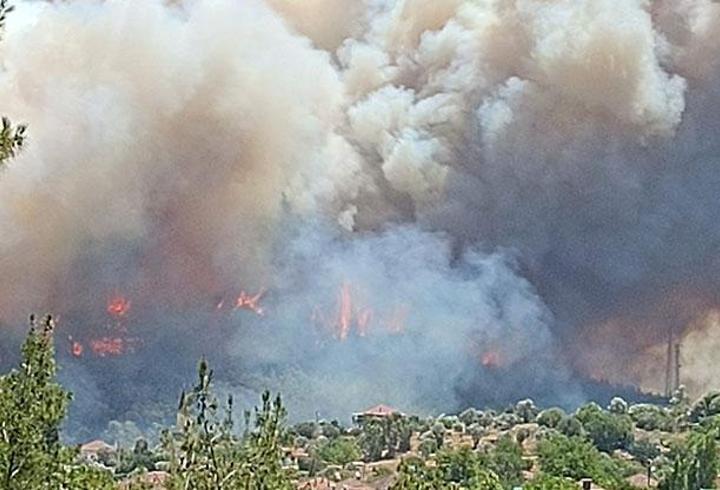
(673, 447)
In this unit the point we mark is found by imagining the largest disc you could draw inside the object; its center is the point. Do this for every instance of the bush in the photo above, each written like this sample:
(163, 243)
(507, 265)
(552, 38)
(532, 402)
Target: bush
(606, 430)
(340, 451)
(506, 461)
(309, 430)
(526, 410)
(469, 417)
(618, 406)
(650, 417)
(576, 458)
(507, 421)
(330, 430)
(694, 464)
(545, 482)
(428, 445)
(551, 417)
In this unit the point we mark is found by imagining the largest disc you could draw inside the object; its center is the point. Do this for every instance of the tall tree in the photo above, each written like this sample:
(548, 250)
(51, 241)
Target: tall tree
(12, 137)
(206, 455)
(694, 464)
(32, 406)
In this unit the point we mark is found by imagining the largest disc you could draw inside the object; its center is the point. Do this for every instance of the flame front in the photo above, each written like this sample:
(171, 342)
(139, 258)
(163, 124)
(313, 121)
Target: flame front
(118, 306)
(491, 359)
(352, 317)
(249, 302)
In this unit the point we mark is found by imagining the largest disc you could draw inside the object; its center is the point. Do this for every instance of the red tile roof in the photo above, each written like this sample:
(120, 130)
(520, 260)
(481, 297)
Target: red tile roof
(96, 447)
(379, 411)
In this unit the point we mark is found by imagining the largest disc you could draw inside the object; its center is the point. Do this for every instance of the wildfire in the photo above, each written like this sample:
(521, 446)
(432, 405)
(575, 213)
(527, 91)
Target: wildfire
(107, 346)
(249, 302)
(352, 316)
(344, 312)
(115, 342)
(76, 348)
(118, 306)
(491, 359)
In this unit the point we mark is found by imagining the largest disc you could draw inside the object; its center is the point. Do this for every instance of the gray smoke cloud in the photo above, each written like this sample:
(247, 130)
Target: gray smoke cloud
(446, 202)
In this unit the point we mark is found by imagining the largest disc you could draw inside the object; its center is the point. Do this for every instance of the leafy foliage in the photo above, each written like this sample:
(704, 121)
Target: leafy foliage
(551, 417)
(458, 469)
(12, 137)
(32, 407)
(545, 482)
(204, 453)
(576, 458)
(506, 461)
(607, 430)
(694, 464)
(385, 437)
(339, 451)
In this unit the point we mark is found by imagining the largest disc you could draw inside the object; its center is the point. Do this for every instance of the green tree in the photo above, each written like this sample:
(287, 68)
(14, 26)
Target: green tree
(576, 458)
(650, 417)
(340, 451)
(645, 453)
(262, 464)
(469, 416)
(476, 431)
(372, 440)
(618, 406)
(415, 474)
(526, 410)
(465, 468)
(204, 454)
(607, 431)
(140, 458)
(570, 426)
(551, 417)
(12, 137)
(506, 461)
(384, 437)
(545, 482)
(457, 469)
(32, 406)
(309, 430)
(694, 465)
(706, 407)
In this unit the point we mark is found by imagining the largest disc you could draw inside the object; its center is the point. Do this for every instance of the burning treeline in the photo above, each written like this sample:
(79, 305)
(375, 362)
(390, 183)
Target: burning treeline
(395, 200)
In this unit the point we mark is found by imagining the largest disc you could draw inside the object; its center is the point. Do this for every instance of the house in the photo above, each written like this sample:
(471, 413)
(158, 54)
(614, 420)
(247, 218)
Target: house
(151, 479)
(376, 412)
(317, 484)
(96, 450)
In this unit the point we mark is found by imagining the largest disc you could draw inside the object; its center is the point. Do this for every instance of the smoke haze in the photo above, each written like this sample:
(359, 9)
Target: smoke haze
(443, 202)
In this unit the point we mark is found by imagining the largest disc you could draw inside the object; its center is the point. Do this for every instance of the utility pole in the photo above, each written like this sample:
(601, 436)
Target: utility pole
(669, 364)
(677, 366)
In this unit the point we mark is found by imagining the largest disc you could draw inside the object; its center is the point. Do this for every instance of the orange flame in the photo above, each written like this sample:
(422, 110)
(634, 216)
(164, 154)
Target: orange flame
(344, 312)
(108, 346)
(491, 359)
(118, 306)
(249, 302)
(351, 316)
(77, 349)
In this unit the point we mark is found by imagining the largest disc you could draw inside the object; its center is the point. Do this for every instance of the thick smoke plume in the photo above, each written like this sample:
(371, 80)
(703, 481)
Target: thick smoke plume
(442, 203)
